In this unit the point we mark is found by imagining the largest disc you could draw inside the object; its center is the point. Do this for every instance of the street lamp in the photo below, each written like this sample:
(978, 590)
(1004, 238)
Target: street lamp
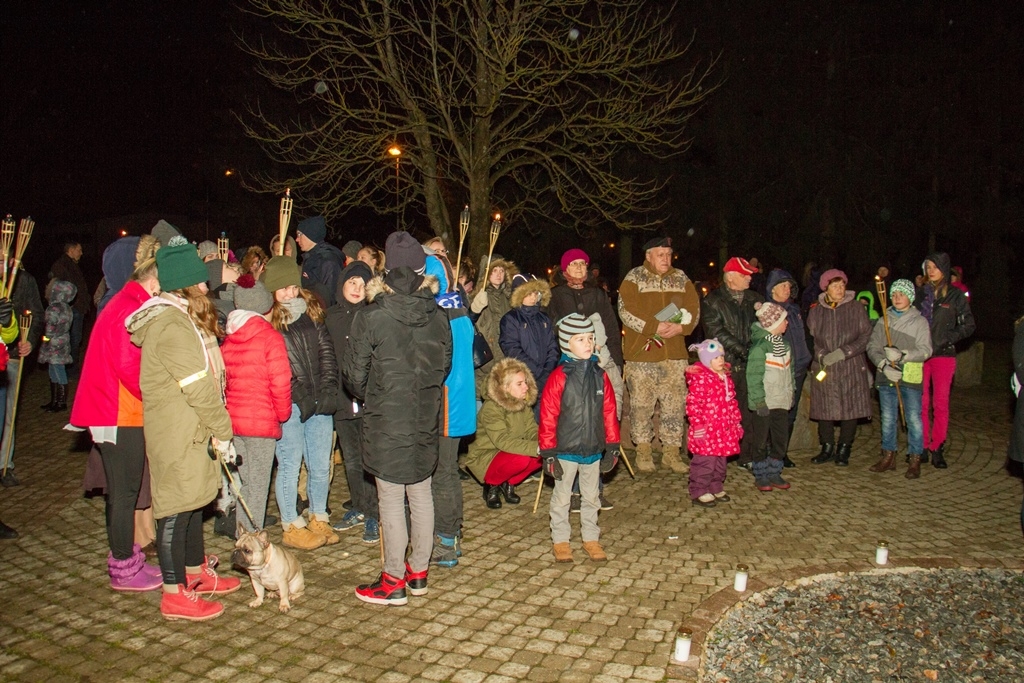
(396, 152)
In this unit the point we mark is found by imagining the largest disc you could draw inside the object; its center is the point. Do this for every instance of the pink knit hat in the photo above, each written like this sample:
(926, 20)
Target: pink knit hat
(829, 275)
(573, 255)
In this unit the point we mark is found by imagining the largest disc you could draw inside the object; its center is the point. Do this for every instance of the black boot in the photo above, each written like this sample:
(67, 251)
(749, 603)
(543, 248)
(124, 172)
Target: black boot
(786, 462)
(60, 400)
(492, 496)
(509, 493)
(937, 457)
(48, 407)
(827, 454)
(843, 454)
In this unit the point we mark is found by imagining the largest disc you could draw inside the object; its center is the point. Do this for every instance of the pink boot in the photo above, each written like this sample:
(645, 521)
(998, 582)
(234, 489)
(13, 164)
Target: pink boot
(150, 569)
(130, 574)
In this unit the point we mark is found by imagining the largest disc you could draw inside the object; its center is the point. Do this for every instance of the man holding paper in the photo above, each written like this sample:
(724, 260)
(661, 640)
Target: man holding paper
(658, 306)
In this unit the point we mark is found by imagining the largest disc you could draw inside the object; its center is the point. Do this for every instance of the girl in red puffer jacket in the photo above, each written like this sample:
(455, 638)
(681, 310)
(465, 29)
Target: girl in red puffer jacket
(714, 417)
(259, 394)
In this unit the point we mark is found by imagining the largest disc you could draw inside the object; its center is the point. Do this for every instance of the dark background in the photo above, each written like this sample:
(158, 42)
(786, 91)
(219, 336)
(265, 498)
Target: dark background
(848, 133)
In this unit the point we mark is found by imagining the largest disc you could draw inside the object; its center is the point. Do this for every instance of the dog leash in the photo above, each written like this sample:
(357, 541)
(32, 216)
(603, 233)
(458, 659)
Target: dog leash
(238, 494)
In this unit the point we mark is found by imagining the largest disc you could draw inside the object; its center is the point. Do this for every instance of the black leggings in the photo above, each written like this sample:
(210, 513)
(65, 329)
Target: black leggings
(179, 544)
(123, 463)
(827, 434)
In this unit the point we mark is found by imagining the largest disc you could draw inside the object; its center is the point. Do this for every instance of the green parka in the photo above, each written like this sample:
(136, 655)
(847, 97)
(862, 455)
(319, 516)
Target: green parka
(503, 423)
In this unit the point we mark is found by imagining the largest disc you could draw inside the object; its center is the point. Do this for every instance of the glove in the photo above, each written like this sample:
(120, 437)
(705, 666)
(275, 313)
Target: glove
(328, 405)
(552, 467)
(762, 411)
(699, 434)
(892, 374)
(833, 357)
(892, 354)
(479, 303)
(6, 312)
(610, 458)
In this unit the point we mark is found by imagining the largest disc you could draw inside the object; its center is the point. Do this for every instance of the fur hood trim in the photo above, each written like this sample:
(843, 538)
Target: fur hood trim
(500, 373)
(536, 285)
(510, 270)
(377, 286)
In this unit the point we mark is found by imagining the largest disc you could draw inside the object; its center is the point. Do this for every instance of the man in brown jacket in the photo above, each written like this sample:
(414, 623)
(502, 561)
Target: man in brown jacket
(658, 306)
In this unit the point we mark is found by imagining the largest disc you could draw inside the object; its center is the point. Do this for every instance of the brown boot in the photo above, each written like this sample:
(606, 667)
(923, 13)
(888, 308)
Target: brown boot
(886, 463)
(644, 457)
(595, 551)
(562, 551)
(914, 471)
(670, 457)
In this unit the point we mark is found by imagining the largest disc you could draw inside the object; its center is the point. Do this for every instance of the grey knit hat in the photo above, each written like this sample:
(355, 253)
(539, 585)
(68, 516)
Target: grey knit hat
(906, 287)
(569, 327)
(251, 295)
(207, 248)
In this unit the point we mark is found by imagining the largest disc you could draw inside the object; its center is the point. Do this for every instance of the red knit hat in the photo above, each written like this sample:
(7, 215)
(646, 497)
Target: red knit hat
(573, 255)
(739, 265)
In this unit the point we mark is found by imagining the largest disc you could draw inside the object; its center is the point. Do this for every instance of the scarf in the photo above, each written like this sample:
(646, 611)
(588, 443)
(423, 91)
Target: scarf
(778, 345)
(928, 305)
(294, 308)
(574, 282)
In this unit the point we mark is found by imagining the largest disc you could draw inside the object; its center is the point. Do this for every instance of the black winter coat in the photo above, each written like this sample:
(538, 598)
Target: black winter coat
(527, 334)
(590, 299)
(1016, 449)
(314, 367)
(729, 322)
(339, 324)
(321, 267)
(400, 351)
(951, 317)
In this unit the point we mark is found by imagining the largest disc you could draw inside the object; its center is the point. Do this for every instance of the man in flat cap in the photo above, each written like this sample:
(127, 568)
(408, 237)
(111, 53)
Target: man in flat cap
(658, 306)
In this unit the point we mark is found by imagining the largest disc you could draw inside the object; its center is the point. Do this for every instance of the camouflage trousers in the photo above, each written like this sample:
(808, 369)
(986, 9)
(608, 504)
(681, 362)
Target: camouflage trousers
(652, 383)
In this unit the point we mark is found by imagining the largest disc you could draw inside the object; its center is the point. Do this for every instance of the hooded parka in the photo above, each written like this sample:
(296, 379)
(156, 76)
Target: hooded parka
(845, 392)
(504, 423)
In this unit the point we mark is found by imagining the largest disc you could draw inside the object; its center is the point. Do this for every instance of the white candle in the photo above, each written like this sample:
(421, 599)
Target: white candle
(882, 553)
(739, 584)
(683, 639)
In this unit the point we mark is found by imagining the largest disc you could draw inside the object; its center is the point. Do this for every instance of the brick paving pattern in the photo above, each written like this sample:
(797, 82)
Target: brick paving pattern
(507, 612)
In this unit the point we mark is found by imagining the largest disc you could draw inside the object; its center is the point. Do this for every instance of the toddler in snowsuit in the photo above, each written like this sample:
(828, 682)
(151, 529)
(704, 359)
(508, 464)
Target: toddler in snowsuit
(56, 348)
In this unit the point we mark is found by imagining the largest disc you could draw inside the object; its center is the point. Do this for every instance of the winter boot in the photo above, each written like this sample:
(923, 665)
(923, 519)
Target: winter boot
(130, 575)
(492, 496)
(508, 492)
(938, 458)
(562, 551)
(595, 551)
(60, 400)
(416, 582)
(914, 470)
(187, 605)
(827, 454)
(207, 581)
(386, 590)
(445, 553)
(775, 474)
(670, 458)
(302, 538)
(644, 457)
(762, 475)
(319, 526)
(48, 407)
(843, 454)
(886, 463)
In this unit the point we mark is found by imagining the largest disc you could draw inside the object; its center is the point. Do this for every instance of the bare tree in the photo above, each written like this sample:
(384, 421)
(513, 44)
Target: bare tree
(533, 108)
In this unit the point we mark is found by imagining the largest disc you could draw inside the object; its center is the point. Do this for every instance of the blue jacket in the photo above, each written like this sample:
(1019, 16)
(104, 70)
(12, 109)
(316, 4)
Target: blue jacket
(458, 403)
(795, 333)
(321, 267)
(528, 334)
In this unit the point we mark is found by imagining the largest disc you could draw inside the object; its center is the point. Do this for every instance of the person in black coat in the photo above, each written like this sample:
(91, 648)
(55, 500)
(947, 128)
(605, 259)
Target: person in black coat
(1016, 449)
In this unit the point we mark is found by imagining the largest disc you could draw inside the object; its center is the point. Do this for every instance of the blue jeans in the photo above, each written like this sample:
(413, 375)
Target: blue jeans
(58, 374)
(7, 396)
(309, 441)
(890, 408)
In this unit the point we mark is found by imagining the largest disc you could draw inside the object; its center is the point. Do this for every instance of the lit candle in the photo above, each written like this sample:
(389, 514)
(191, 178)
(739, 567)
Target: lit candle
(739, 584)
(882, 553)
(683, 639)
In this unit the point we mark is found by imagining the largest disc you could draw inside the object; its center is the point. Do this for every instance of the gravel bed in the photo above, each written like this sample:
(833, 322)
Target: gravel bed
(938, 625)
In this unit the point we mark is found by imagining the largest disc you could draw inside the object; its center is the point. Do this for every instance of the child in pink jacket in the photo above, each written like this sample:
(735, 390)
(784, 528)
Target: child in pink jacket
(714, 417)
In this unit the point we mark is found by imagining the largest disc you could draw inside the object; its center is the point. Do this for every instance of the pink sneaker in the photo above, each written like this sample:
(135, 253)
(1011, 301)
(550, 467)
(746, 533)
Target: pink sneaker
(131, 574)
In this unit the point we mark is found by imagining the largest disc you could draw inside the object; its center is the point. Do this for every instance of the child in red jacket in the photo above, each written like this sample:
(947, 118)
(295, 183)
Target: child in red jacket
(714, 417)
(259, 393)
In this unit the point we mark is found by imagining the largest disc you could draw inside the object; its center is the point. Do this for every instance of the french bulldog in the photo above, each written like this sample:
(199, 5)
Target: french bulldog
(271, 567)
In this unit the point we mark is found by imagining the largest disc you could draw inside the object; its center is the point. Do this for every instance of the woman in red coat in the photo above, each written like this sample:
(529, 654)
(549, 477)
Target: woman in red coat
(259, 395)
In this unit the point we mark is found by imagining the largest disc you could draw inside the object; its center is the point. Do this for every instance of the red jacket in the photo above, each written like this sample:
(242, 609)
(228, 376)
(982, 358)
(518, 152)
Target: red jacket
(711, 406)
(108, 393)
(259, 393)
(571, 428)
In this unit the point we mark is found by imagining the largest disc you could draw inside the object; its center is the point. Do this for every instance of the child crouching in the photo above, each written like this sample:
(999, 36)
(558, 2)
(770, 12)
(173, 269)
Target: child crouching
(577, 425)
(714, 417)
(771, 386)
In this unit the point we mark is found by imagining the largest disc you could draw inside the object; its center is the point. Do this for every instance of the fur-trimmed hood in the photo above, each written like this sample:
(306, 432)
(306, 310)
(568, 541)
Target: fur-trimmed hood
(405, 296)
(510, 270)
(500, 373)
(535, 285)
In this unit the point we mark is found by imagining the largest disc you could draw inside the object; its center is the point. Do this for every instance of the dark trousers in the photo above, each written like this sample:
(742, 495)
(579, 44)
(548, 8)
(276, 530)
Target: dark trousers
(77, 326)
(827, 432)
(707, 474)
(123, 464)
(179, 544)
(447, 489)
(361, 486)
(776, 425)
(798, 378)
(747, 445)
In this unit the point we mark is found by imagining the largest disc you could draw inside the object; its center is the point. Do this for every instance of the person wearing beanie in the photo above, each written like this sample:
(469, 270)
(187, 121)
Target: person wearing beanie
(771, 388)
(208, 251)
(351, 251)
(782, 289)
(578, 433)
(322, 262)
(899, 346)
(526, 332)
(182, 382)
(281, 272)
(715, 423)
(840, 328)
(402, 250)
(163, 232)
(658, 306)
(348, 419)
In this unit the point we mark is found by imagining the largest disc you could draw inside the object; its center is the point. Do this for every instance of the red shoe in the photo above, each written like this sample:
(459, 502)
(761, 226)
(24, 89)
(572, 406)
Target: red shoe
(761, 485)
(386, 590)
(208, 582)
(416, 582)
(187, 605)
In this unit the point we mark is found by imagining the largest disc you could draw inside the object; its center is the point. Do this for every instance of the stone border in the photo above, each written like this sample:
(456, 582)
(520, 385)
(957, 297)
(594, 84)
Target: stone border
(708, 613)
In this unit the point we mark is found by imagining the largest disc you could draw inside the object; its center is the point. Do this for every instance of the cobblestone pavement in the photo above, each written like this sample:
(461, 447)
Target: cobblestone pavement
(507, 612)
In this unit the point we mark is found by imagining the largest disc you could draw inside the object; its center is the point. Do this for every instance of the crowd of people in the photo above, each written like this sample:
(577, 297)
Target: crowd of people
(205, 372)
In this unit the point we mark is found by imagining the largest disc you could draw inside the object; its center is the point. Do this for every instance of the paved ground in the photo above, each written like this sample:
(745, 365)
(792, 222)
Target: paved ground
(507, 612)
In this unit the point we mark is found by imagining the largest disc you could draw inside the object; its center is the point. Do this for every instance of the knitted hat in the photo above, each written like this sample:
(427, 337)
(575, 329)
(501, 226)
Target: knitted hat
(281, 272)
(314, 227)
(402, 249)
(164, 231)
(739, 265)
(178, 265)
(251, 295)
(356, 269)
(829, 275)
(769, 314)
(574, 255)
(206, 248)
(708, 350)
(656, 242)
(569, 327)
(351, 248)
(520, 279)
(905, 287)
